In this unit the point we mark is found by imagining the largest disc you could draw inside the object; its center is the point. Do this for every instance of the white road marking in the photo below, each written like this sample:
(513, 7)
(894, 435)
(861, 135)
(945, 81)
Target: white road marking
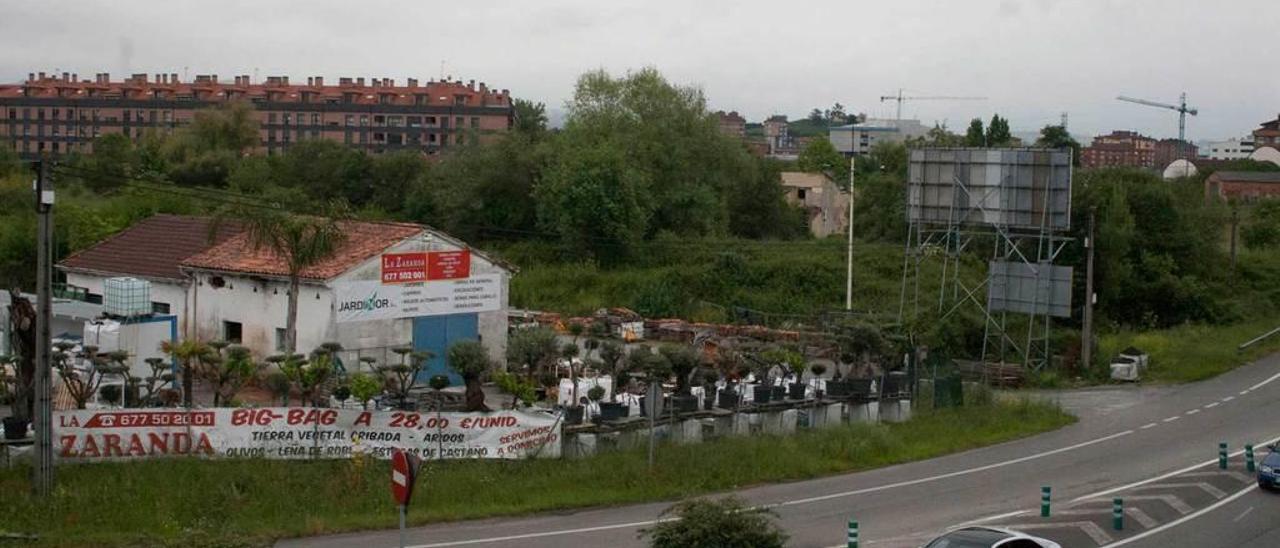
(1228, 398)
(1184, 519)
(1203, 486)
(1266, 382)
(1242, 478)
(1136, 513)
(951, 474)
(885, 487)
(1141, 517)
(1090, 528)
(992, 518)
(1242, 515)
(1211, 405)
(1193, 411)
(1173, 418)
(1148, 425)
(1173, 501)
(1243, 392)
(1166, 475)
(543, 534)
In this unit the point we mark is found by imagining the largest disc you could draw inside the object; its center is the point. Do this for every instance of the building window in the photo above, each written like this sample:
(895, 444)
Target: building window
(288, 119)
(364, 119)
(350, 120)
(395, 121)
(315, 119)
(159, 308)
(800, 193)
(413, 121)
(232, 331)
(475, 122)
(282, 340)
(457, 122)
(271, 117)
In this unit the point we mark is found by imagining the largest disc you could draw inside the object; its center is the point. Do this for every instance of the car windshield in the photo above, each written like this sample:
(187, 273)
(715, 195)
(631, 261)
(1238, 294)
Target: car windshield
(1272, 459)
(968, 538)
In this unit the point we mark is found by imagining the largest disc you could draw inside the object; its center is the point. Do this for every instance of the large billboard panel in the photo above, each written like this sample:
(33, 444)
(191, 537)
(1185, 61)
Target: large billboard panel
(1030, 288)
(1016, 188)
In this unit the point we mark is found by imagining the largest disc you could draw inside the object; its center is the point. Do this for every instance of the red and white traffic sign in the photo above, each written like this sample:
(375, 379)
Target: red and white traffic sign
(404, 472)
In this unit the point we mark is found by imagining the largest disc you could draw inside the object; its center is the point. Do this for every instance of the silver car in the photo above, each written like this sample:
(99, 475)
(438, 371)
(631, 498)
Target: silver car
(989, 537)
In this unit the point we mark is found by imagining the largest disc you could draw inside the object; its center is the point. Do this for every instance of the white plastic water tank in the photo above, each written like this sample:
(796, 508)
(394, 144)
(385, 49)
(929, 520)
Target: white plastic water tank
(127, 297)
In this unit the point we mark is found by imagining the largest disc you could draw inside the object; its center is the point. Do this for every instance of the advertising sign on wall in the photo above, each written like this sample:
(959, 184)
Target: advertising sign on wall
(449, 265)
(372, 300)
(399, 268)
(301, 433)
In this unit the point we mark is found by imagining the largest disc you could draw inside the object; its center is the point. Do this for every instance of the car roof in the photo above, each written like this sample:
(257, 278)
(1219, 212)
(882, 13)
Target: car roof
(1272, 458)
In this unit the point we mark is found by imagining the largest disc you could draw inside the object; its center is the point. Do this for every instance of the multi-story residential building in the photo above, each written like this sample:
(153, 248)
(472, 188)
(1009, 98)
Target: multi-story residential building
(60, 114)
(857, 139)
(776, 132)
(1231, 149)
(1268, 135)
(732, 124)
(1168, 150)
(1120, 149)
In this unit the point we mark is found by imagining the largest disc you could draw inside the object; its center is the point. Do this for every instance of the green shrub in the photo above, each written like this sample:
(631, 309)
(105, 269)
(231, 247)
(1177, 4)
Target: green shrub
(723, 523)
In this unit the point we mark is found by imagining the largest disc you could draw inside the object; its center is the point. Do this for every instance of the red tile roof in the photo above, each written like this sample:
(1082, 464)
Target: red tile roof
(363, 240)
(151, 248)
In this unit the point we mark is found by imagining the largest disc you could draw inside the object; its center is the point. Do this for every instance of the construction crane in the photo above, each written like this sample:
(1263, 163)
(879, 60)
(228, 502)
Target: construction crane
(899, 98)
(1182, 109)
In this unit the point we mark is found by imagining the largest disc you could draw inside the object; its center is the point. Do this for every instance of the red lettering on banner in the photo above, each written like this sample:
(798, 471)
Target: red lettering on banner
(364, 419)
(112, 443)
(68, 447)
(135, 447)
(90, 448)
(203, 445)
(160, 441)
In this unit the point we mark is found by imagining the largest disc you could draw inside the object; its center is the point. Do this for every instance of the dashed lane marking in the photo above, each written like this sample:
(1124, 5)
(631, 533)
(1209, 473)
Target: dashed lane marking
(1173, 418)
(1211, 405)
(1148, 425)
(1193, 411)
(1242, 515)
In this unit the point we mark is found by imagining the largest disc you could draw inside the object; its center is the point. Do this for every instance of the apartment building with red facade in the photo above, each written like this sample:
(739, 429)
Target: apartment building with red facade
(1120, 149)
(58, 114)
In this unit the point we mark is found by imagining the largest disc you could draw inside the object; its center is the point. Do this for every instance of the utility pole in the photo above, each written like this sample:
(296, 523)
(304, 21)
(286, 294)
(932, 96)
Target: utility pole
(1086, 335)
(42, 482)
(848, 290)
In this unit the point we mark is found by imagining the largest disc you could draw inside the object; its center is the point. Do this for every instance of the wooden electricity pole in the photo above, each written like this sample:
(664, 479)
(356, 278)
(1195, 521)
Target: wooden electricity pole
(42, 480)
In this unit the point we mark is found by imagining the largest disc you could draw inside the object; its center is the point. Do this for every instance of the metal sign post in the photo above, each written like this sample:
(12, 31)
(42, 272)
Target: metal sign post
(404, 473)
(43, 382)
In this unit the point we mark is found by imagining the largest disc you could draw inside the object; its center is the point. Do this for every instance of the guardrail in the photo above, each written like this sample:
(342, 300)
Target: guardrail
(1257, 339)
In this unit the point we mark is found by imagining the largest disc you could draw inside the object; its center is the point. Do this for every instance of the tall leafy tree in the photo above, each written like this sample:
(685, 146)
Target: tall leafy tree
(820, 156)
(595, 201)
(530, 117)
(976, 135)
(1058, 137)
(998, 134)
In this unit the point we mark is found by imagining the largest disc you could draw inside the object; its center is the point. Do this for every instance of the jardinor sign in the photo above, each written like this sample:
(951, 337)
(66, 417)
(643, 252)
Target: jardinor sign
(300, 433)
(372, 300)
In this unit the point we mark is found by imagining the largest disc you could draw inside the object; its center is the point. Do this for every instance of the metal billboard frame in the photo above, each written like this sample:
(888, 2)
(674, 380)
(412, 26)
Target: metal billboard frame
(1020, 211)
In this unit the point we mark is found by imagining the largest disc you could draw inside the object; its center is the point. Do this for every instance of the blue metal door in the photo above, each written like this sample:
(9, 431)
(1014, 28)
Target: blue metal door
(435, 334)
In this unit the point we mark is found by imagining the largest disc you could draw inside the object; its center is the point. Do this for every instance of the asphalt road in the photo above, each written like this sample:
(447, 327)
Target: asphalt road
(1153, 445)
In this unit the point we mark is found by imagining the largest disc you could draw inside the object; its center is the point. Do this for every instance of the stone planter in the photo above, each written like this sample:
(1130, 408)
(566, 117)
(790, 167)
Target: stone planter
(762, 393)
(610, 411)
(796, 391)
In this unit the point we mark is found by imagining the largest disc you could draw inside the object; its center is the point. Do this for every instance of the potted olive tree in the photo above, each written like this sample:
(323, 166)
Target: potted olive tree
(709, 379)
(684, 361)
(471, 360)
(818, 370)
(616, 363)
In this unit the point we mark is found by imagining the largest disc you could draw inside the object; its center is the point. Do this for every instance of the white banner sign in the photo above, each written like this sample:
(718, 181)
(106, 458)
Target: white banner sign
(373, 300)
(301, 433)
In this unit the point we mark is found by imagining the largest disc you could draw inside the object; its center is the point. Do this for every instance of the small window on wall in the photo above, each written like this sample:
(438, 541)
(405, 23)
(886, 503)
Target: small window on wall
(159, 308)
(281, 340)
(232, 331)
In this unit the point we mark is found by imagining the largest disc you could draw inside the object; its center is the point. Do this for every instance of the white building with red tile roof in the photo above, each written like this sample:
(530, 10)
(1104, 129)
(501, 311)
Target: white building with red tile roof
(226, 289)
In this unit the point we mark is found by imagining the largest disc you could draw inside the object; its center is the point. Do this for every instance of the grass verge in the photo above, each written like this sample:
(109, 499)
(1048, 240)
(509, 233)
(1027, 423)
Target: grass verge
(1190, 353)
(250, 502)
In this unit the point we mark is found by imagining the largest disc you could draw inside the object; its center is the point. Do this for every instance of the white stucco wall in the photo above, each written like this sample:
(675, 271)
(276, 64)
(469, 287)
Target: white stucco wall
(261, 305)
(172, 293)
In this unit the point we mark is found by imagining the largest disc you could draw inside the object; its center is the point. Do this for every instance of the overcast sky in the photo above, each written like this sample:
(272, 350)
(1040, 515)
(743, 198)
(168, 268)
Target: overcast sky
(1032, 59)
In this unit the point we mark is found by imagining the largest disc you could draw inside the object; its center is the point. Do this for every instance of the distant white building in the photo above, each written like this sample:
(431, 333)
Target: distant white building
(857, 139)
(1230, 149)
